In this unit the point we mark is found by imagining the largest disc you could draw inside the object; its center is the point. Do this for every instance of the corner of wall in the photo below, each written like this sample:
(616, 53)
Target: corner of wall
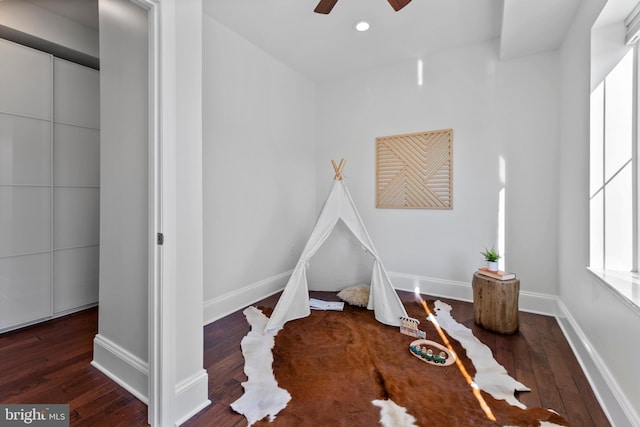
(223, 305)
(531, 302)
(189, 391)
(619, 410)
(126, 369)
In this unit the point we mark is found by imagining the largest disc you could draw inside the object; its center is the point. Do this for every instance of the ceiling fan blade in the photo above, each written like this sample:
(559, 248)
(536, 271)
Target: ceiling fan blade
(325, 6)
(398, 4)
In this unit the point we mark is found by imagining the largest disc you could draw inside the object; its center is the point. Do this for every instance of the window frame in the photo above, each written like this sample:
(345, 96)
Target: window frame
(605, 181)
(624, 284)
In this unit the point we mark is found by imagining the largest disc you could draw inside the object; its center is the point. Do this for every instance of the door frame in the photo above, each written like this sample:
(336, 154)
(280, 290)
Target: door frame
(158, 390)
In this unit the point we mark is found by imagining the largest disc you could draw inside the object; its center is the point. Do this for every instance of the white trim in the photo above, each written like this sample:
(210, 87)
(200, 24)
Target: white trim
(223, 305)
(443, 288)
(623, 285)
(634, 160)
(632, 26)
(533, 302)
(614, 403)
(126, 369)
(530, 302)
(188, 391)
(153, 9)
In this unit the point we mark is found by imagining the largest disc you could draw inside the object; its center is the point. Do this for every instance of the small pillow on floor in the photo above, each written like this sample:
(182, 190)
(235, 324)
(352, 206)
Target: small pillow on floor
(357, 295)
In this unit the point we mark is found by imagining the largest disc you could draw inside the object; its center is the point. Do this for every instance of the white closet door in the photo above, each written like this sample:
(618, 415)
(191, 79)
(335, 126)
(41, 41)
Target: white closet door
(77, 156)
(25, 151)
(25, 289)
(25, 220)
(25, 185)
(25, 81)
(76, 171)
(76, 276)
(76, 217)
(77, 94)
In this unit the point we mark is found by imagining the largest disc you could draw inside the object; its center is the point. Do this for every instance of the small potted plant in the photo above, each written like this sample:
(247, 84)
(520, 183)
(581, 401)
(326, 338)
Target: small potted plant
(491, 256)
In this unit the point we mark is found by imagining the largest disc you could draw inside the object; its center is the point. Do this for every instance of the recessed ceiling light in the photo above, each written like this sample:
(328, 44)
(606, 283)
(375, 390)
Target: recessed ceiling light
(361, 26)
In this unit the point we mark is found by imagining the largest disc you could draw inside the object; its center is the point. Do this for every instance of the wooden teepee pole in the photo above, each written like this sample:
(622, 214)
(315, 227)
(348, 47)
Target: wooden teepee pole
(338, 169)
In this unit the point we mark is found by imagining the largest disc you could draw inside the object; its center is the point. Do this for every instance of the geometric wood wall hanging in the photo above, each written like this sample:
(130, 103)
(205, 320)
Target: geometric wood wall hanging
(415, 171)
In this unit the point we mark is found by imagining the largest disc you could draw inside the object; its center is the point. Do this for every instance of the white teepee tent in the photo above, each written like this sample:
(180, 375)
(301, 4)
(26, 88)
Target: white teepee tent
(294, 301)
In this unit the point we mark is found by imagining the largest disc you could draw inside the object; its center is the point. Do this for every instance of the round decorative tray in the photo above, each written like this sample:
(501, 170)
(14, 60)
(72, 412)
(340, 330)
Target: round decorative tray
(432, 352)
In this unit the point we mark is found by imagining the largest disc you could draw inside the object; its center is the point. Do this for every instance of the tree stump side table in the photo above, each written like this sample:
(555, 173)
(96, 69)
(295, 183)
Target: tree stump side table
(495, 303)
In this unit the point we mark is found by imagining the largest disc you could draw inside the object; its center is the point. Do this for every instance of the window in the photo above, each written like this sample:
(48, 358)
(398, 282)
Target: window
(613, 213)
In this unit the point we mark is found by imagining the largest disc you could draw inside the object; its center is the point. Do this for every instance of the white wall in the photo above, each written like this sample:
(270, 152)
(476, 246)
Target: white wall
(606, 328)
(150, 331)
(122, 324)
(179, 381)
(189, 211)
(259, 139)
(499, 112)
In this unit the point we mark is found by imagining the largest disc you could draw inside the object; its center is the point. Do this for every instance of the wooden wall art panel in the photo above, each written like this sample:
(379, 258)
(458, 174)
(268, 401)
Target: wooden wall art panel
(415, 171)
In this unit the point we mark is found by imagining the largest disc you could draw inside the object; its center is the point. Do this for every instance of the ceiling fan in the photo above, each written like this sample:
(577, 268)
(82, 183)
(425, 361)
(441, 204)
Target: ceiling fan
(325, 6)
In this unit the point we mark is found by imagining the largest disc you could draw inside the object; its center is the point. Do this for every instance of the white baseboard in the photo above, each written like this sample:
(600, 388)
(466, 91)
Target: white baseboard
(132, 373)
(530, 302)
(615, 404)
(191, 396)
(231, 302)
(431, 286)
(126, 369)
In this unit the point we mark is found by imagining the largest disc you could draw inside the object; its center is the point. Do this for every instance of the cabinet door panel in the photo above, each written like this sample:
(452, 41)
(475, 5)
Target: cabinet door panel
(25, 151)
(77, 91)
(25, 81)
(25, 286)
(25, 220)
(76, 217)
(75, 278)
(76, 156)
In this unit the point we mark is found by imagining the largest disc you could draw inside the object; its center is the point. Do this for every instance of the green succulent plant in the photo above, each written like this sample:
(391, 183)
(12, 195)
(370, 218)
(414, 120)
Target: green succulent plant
(490, 255)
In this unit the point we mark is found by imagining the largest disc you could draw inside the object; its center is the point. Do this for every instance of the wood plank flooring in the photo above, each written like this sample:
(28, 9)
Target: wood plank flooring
(50, 363)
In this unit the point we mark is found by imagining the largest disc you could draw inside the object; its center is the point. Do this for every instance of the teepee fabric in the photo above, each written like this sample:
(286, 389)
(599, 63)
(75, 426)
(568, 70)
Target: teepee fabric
(294, 302)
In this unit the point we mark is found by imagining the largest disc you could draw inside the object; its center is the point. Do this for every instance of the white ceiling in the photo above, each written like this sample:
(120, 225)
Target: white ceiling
(323, 47)
(530, 27)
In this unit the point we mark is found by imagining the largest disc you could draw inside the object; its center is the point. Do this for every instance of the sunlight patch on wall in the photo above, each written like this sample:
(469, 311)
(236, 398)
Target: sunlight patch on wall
(502, 212)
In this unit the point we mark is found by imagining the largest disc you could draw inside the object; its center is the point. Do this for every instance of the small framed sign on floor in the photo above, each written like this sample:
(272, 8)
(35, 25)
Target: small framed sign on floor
(415, 171)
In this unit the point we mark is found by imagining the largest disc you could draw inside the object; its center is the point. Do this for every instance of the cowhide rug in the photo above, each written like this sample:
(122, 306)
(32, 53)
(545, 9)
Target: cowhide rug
(346, 369)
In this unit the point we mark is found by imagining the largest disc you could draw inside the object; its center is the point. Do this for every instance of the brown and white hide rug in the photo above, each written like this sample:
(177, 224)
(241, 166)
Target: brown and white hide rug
(344, 368)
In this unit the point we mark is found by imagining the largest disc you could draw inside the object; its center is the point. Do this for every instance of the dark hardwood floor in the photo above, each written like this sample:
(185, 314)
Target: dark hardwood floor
(50, 363)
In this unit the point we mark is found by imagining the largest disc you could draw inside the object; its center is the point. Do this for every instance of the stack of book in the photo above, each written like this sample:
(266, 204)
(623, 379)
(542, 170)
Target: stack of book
(500, 275)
